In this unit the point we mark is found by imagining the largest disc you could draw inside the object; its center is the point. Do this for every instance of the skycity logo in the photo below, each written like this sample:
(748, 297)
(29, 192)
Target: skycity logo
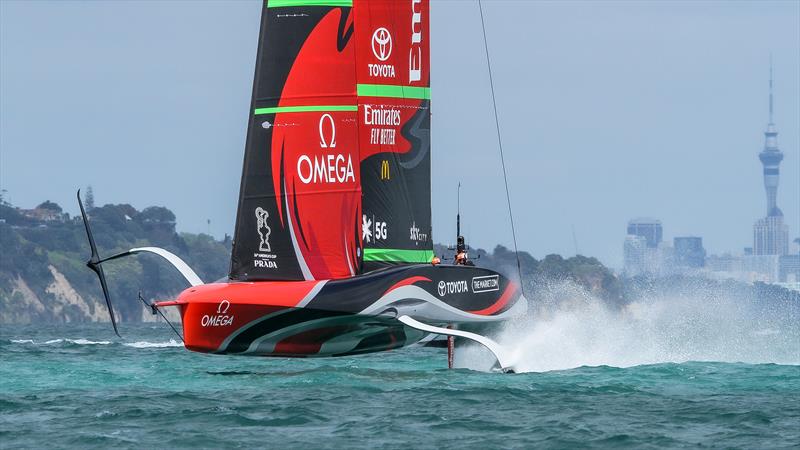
(415, 234)
(329, 168)
(382, 49)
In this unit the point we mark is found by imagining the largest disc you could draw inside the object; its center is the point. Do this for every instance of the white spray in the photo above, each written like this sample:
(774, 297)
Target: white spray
(568, 327)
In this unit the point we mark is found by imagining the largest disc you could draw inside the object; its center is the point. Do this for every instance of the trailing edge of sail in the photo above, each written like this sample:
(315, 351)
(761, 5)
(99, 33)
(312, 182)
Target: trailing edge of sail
(312, 132)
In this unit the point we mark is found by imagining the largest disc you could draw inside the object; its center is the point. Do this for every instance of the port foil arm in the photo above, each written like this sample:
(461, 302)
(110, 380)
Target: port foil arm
(173, 259)
(503, 359)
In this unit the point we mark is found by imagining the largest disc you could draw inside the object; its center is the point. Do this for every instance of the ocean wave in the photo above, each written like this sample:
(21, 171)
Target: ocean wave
(79, 341)
(146, 344)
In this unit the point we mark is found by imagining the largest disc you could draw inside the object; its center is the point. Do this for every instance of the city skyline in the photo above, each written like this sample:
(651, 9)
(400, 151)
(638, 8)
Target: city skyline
(608, 111)
(771, 234)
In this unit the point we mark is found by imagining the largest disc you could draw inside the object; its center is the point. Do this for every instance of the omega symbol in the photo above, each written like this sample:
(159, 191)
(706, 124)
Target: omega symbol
(223, 307)
(322, 142)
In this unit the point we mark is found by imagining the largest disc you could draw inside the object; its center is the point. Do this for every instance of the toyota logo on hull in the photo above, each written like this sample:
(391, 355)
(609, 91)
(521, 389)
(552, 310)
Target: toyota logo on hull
(382, 44)
(452, 287)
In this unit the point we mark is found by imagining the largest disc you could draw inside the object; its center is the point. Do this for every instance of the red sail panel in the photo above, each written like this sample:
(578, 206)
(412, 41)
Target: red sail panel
(393, 77)
(300, 204)
(318, 151)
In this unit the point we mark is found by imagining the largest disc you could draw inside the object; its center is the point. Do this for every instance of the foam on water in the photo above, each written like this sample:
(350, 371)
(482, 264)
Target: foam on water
(146, 344)
(570, 328)
(79, 341)
(82, 341)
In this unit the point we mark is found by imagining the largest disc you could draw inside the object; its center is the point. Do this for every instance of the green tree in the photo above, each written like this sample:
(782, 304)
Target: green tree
(50, 206)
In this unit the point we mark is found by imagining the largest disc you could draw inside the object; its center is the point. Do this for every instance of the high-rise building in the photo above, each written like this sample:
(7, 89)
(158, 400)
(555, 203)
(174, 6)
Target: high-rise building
(635, 252)
(770, 234)
(689, 252)
(650, 229)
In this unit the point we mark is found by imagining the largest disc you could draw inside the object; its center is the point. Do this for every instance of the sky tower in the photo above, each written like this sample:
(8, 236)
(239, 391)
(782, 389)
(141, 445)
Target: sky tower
(771, 158)
(770, 234)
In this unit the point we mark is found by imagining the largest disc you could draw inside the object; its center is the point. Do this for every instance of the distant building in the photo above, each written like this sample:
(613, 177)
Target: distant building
(45, 212)
(689, 252)
(644, 251)
(789, 269)
(771, 234)
(726, 263)
(650, 229)
(760, 268)
(635, 253)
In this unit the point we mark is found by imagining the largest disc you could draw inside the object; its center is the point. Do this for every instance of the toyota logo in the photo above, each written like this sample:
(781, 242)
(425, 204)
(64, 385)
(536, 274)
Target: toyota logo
(442, 287)
(382, 44)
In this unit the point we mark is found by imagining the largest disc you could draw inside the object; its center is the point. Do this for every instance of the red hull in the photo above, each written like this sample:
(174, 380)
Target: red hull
(340, 317)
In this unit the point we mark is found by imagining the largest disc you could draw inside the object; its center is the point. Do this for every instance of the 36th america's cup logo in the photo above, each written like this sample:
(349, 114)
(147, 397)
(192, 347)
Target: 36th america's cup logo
(263, 229)
(382, 44)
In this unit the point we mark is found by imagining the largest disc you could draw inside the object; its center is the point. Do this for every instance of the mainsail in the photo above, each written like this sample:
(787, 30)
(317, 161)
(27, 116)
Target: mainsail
(340, 104)
(393, 76)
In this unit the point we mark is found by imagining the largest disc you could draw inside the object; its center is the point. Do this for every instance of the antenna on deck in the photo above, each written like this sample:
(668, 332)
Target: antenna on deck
(458, 211)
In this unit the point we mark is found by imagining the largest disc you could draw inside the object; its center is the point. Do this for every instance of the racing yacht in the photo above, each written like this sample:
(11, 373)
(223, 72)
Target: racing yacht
(333, 252)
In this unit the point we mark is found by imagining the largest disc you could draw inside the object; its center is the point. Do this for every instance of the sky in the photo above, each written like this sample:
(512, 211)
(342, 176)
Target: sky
(608, 111)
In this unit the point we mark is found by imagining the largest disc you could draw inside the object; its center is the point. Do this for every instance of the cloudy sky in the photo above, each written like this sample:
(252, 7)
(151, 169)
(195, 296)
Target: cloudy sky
(608, 111)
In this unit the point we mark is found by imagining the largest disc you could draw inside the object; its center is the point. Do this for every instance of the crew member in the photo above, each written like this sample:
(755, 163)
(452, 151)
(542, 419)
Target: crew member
(461, 253)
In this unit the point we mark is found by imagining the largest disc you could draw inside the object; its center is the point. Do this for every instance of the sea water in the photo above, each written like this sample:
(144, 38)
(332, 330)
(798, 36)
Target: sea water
(684, 373)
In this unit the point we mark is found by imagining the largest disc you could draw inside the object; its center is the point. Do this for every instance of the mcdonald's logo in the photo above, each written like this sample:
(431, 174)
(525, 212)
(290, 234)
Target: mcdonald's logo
(385, 175)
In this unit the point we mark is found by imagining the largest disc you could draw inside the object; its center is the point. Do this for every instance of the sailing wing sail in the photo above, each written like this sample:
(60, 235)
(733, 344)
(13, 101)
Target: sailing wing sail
(300, 197)
(393, 85)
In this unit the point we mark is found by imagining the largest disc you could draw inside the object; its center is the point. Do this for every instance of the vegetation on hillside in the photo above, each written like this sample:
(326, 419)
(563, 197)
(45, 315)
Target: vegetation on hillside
(43, 276)
(32, 248)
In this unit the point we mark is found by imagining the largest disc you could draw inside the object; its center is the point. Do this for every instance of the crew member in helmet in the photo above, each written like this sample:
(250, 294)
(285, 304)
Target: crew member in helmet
(461, 258)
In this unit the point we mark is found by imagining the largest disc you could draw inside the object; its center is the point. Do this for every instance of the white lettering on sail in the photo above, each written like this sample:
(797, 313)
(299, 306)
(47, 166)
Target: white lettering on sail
(381, 70)
(382, 50)
(322, 142)
(328, 168)
(415, 58)
(381, 116)
(325, 169)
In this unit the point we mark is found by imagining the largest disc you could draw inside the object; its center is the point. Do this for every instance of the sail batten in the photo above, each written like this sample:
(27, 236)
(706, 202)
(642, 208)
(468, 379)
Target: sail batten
(308, 108)
(393, 91)
(296, 3)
